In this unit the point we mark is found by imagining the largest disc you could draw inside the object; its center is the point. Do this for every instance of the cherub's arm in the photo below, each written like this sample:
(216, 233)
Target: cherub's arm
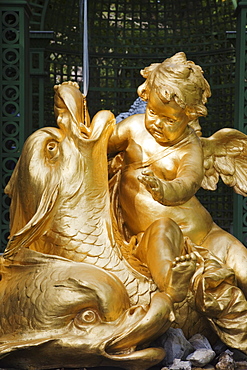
(186, 183)
(120, 136)
(117, 144)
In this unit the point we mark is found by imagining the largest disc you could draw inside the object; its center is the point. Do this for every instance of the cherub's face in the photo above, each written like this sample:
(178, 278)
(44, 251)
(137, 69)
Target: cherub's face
(166, 122)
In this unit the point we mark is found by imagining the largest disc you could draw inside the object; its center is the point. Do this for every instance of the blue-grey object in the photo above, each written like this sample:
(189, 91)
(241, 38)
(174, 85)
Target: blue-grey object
(139, 106)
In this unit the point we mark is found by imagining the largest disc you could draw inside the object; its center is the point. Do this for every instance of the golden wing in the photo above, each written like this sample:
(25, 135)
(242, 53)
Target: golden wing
(225, 157)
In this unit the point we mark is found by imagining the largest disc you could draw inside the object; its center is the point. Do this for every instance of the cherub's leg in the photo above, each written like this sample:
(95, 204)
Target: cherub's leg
(231, 251)
(161, 249)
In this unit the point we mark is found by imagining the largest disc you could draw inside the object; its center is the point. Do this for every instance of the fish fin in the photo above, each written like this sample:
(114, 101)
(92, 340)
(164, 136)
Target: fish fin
(9, 345)
(36, 227)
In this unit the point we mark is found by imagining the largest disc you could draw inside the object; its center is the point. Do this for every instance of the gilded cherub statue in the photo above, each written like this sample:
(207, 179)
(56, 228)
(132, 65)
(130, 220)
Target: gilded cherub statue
(163, 162)
(70, 282)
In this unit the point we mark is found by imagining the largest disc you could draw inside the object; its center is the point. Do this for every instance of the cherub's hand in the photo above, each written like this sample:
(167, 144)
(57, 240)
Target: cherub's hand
(153, 184)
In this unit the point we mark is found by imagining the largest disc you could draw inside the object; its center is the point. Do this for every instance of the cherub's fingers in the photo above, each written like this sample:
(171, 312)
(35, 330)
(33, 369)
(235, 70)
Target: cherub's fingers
(143, 180)
(148, 181)
(147, 172)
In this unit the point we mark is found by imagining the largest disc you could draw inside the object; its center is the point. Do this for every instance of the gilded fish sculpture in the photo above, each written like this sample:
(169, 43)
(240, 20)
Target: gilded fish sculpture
(56, 312)
(70, 297)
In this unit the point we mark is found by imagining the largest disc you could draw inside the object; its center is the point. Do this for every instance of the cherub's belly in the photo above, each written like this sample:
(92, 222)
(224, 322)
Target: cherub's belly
(140, 210)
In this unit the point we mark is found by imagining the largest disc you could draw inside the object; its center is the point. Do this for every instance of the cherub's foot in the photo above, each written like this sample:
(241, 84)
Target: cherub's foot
(182, 270)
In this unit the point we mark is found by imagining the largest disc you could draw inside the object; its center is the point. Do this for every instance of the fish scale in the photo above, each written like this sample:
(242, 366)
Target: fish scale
(107, 256)
(94, 243)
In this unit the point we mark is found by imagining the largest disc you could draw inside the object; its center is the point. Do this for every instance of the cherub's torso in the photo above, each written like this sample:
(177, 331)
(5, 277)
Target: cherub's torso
(143, 151)
(138, 206)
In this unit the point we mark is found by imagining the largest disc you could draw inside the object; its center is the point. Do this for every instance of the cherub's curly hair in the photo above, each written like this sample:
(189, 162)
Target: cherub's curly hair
(179, 79)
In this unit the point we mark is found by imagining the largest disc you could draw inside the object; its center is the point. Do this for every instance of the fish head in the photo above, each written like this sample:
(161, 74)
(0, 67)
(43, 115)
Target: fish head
(57, 166)
(74, 321)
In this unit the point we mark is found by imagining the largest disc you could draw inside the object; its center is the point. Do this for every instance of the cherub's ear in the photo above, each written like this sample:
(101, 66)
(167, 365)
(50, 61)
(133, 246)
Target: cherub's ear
(190, 112)
(143, 91)
(195, 111)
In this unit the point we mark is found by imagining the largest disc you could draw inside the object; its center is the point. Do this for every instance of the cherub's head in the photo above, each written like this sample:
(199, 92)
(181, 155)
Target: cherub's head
(180, 80)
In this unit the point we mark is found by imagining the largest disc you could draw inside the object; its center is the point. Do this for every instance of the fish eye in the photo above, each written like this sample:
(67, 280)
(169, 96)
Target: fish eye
(52, 145)
(52, 149)
(86, 317)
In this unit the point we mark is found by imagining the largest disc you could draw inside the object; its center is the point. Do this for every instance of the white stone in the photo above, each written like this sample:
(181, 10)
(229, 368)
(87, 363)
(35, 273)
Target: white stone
(201, 357)
(180, 365)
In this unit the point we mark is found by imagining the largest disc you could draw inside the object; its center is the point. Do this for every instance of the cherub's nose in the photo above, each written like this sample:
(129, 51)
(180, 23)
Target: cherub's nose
(159, 123)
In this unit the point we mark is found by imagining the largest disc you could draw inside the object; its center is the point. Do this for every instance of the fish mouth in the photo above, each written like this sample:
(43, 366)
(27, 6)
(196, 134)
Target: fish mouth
(138, 359)
(103, 123)
(120, 342)
(148, 324)
(72, 116)
(136, 356)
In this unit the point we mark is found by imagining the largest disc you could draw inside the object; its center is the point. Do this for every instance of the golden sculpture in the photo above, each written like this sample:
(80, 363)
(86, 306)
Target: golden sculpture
(163, 162)
(91, 278)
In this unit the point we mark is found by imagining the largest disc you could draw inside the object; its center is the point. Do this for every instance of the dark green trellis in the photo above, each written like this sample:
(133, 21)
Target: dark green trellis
(124, 37)
(240, 204)
(15, 117)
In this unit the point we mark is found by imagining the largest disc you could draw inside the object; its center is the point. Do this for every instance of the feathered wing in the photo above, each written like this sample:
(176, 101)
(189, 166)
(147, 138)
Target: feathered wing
(225, 157)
